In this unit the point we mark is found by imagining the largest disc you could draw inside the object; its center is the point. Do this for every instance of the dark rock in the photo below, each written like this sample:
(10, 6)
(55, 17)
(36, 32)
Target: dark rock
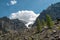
(53, 11)
(10, 24)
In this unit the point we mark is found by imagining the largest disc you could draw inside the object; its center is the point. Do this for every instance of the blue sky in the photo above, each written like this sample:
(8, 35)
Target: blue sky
(7, 7)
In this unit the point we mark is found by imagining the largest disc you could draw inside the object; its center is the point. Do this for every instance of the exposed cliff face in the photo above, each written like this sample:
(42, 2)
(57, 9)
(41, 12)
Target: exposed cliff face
(14, 24)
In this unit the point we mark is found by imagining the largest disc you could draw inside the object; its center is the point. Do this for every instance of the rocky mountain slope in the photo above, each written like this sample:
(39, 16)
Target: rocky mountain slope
(31, 34)
(53, 11)
(13, 24)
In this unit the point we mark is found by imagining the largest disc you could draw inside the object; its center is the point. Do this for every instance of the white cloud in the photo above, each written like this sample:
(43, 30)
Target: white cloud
(25, 15)
(12, 2)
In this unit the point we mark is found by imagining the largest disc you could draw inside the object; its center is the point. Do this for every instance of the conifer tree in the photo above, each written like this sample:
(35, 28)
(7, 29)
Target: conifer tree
(39, 26)
(43, 23)
(49, 21)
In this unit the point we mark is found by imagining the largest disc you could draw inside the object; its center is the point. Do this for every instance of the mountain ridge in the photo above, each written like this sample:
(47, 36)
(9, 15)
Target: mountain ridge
(53, 11)
(14, 24)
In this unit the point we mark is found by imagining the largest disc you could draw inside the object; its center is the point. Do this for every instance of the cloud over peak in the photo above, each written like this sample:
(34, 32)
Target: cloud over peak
(25, 15)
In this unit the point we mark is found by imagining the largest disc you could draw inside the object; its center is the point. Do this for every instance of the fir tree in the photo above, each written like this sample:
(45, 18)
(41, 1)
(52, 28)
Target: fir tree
(49, 21)
(39, 26)
(43, 23)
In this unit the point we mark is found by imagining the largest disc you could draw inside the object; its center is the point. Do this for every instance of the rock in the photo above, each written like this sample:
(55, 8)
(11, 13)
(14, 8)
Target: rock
(53, 11)
(10, 24)
(54, 31)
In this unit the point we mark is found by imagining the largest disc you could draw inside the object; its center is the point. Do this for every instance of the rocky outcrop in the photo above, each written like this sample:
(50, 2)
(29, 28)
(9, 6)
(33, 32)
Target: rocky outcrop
(9, 24)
